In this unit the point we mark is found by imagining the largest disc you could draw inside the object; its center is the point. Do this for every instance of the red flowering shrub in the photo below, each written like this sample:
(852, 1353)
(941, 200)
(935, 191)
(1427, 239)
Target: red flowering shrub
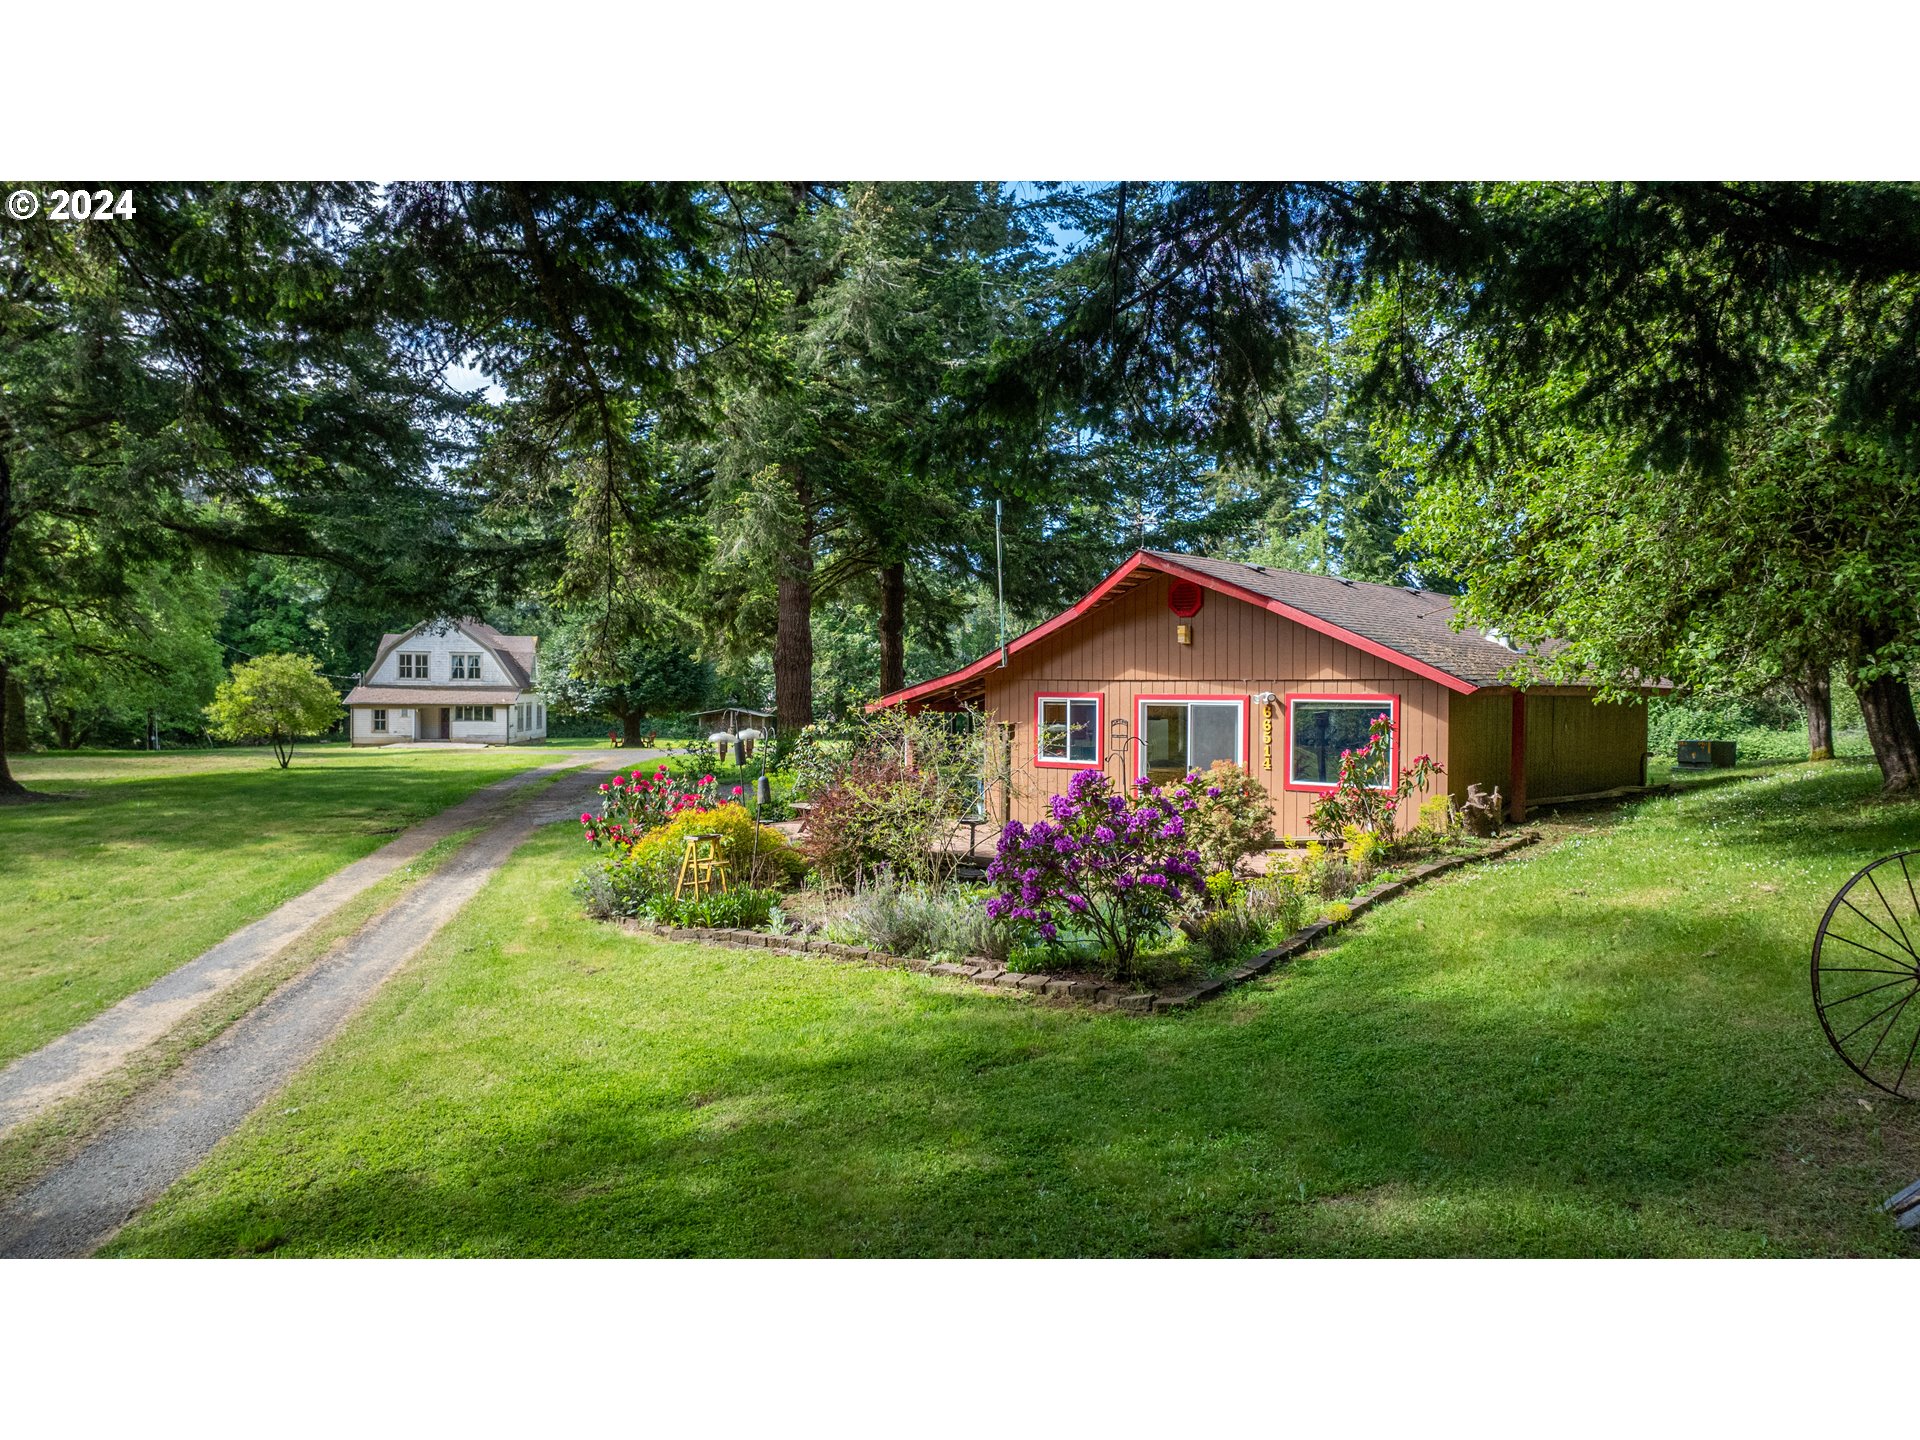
(632, 805)
(877, 814)
(1357, 801)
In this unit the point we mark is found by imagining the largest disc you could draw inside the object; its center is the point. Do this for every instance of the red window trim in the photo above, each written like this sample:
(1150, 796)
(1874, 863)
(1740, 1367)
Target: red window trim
(1137, 771)
(1393, 758)
(1099, 726)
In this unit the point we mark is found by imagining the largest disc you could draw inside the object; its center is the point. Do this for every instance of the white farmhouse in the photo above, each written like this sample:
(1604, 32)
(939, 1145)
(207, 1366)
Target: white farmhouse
(450, 680)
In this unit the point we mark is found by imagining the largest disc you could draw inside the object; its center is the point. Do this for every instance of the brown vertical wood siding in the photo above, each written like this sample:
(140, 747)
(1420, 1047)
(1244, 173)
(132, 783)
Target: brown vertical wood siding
(1479, 741)
(1577, 746)
(1127, 649)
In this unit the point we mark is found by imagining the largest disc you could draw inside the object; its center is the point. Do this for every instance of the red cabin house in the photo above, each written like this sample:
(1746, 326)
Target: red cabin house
(1175, 661)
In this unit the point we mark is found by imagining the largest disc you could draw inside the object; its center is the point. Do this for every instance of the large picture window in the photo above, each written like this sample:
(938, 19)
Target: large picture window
(473, 712)
(1182, 733)
(1321, 727)
(1067, 730)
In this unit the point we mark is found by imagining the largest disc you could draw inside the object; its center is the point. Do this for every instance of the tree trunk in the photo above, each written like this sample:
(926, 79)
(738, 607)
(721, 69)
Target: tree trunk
(1814, 690)
(630, 728)
(66, 729)
(1886, 705)
(13, 730)
(793, 627)
(13, 723)
(893, 627)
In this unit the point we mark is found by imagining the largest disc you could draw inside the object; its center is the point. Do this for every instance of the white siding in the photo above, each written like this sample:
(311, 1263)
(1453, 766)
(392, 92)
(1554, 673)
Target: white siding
(399, 725)
(491, 732)
(440, 650)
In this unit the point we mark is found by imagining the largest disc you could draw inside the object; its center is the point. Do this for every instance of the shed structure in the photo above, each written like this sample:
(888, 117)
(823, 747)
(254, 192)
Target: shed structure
(1179, 660)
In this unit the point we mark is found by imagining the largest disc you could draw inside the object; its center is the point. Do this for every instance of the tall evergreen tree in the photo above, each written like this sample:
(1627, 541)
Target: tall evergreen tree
(852, 463)
(208, 378)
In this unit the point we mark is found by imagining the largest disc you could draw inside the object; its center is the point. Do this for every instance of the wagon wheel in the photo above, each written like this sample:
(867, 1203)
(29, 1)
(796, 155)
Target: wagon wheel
(1866, 974)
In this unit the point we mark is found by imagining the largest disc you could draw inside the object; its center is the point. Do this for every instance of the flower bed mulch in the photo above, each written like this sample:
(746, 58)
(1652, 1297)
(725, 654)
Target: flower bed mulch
(1102, 994)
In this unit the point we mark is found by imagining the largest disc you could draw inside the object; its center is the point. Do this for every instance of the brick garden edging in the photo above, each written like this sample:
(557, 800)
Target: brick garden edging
(1099, 994)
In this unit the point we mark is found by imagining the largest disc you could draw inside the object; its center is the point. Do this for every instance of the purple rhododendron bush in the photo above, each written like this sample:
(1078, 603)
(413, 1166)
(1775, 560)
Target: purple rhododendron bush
(1117, 868)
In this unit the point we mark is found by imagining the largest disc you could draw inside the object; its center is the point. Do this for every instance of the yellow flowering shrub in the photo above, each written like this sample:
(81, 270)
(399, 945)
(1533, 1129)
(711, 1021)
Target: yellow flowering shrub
(756, 855)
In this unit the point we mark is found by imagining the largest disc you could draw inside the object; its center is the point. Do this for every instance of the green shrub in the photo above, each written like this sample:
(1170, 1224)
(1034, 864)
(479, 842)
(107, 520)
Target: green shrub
(599, 895)
(907, 918)
(740, 909)
(1364, 850)
(878, 815)
(888, 789)
(1232, 816)
(1279, 902)
(1437, 814)
(1242, 916)
(1223, 934)
(1326, 872)
(757, 856)
(639, 878)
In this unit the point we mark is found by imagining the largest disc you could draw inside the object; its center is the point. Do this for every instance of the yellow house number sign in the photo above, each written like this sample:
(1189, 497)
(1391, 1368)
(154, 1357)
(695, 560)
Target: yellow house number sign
(1266, 736)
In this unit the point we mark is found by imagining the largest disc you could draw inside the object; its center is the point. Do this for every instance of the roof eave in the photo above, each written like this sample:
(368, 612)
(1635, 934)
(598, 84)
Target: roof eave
(1142, 559)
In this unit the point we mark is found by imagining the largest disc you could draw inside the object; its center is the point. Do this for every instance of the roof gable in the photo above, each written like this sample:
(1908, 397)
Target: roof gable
(1407, 627)
(515, 653)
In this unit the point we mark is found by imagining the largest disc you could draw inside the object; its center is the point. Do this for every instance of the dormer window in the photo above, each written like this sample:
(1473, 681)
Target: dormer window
(413, 666)
(466, 667)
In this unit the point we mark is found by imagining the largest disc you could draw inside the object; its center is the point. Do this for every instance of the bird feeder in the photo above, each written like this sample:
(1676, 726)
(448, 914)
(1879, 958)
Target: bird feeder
(720, 739)
(746, 739)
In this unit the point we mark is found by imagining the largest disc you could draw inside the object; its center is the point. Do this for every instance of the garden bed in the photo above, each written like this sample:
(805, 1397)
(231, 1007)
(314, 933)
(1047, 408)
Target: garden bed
(1092, 991)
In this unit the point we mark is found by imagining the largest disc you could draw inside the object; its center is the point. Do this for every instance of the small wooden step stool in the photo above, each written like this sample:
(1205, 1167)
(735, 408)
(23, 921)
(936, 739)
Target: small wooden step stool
(703, 868)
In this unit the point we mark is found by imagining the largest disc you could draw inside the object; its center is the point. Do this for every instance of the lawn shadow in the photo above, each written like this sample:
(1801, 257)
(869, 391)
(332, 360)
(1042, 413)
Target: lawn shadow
(1492, 1065)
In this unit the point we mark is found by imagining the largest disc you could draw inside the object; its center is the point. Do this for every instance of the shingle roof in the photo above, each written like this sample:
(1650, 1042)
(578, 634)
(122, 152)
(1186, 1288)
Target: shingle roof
(1406, 625)
(429, 695)
(1417, 623)
(514, 652)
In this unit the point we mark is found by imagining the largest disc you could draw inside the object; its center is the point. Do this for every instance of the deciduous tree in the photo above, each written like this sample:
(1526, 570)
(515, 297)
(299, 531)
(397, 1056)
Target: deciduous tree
(276, 698)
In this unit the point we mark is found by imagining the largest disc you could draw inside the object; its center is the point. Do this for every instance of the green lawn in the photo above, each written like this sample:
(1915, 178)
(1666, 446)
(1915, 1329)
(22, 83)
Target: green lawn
(157, 856)
(1601, 1047)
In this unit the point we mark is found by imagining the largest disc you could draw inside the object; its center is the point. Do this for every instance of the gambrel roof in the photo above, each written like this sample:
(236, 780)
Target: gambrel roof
(515, 654)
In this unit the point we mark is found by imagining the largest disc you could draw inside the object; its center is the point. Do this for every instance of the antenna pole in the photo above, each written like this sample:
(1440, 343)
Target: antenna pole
(1000, 581)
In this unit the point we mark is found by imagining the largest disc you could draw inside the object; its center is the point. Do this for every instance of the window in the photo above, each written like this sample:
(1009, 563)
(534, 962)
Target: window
(466, 667)
(1178, 734)
(473, 712)
(379, 722)
(413, 666)
(1066, 730)
(1320, 727)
